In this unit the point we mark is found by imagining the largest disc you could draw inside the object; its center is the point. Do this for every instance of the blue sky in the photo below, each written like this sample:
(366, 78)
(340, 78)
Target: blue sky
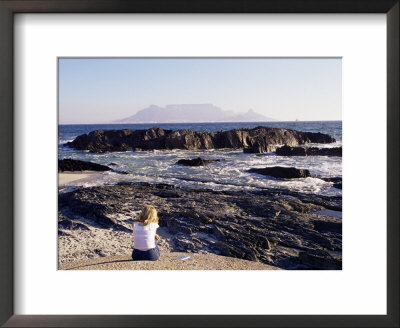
(102, 90)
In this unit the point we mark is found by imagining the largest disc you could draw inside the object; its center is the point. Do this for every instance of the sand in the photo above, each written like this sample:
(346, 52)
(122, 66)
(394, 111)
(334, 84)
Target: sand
(106, 249)
(168, 261)
(65, 178)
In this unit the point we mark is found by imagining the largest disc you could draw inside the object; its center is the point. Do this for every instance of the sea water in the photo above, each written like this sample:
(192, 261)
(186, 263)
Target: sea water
(159, 166)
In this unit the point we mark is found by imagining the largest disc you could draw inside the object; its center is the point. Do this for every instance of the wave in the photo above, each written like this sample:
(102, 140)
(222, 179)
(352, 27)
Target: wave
(230, 173)
(242, 181)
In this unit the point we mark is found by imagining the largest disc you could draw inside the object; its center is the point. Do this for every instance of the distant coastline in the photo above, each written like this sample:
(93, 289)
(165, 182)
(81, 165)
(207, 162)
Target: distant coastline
(214, 122)
(191, 113)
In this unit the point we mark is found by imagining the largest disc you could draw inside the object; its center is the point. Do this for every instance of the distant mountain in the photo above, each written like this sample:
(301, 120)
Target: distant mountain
(191, 113)
(250, 116)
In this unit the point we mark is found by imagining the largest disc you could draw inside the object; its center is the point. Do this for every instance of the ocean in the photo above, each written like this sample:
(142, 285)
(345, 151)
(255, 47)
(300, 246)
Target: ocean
(229, 174)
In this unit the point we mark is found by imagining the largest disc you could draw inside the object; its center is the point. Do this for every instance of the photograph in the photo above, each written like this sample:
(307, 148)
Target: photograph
(198, 148)
(197, 163)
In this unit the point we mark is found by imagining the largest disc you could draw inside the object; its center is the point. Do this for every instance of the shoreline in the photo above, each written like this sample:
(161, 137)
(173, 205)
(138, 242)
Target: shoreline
(275, 228)
(66, 177)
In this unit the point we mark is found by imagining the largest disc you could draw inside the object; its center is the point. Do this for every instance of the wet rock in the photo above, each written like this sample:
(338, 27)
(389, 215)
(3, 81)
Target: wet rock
(120, 172)
(75, 165)
(328, 226)
(267, 226)
(168, 194)
(282, 172)
(196, 161)
(319, 260)
(259, 139)
(314, 151)
(337, 181)
(227, 249)
(92, 209)
(308, 151)
(291, 151)
(260, 147)
(176, 225)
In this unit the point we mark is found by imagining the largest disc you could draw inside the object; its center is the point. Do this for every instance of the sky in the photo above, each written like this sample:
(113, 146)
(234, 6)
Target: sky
(101, 90)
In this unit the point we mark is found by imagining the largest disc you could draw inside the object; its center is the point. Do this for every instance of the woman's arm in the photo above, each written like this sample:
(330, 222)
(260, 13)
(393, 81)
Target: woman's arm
(157, 237)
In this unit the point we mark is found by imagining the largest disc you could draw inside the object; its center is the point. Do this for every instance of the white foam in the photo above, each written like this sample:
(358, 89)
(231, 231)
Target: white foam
(231, 173)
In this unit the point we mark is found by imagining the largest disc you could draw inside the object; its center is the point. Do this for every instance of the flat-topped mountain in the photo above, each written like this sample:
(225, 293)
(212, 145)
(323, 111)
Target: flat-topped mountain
(256, 140)
(193, 113)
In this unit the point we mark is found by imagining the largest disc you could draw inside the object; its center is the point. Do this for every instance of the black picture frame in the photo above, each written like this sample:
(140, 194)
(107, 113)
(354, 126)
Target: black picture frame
(10, 7)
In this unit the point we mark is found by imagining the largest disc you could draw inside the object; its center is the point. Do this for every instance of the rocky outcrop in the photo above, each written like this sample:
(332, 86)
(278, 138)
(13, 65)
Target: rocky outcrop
(320, 260)
(75, 165)
(282, 172)
(196, 161)
(90, 211)
(337, 181)
(328, 226)
(308, 151)
(291, 151)
(273, 227)
(259, 139)
(260, 147)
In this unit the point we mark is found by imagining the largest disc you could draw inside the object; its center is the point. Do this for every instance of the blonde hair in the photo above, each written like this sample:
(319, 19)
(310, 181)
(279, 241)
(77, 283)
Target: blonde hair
(148, 215)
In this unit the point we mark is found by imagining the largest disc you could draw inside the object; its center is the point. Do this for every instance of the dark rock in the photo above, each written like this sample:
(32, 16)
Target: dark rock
(328, 226)
(260, 147)
(205, 219)
(318, 137)
(310, 151)
(337, 181)
(162, 186)
(120, 172)
(267, 226)
(227, 249)
(282, 172)
(314, 151)
(71, 225)
(125, 183)
(196, 161)
(184, 243)
(99, 252)
(92, 209)
(291, 151)
(75, 165)
(319, 260)
(169, 194)
(259, 139)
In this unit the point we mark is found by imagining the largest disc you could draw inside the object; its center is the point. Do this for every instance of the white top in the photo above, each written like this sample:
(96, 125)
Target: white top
(144, 237)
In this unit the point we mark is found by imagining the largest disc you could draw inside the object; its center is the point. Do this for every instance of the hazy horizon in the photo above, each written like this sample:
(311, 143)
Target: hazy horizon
(276, 121)
(100, 91)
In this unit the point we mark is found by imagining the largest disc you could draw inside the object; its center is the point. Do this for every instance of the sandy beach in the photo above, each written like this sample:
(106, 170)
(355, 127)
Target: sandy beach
(105, 249)
(65, 178)
(168, 261)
